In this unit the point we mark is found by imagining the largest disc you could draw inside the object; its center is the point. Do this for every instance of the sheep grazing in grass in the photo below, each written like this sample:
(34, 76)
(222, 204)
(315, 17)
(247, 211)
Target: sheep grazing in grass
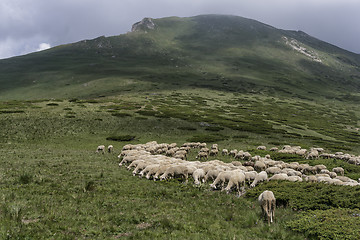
(237, 179)
(213, 152)
(176, 171)
(233, 153)
(202, 155)
(267, 202)
(261, 148)
(100, 148)
(225, 152)
(262, 176)
(274, 149)
(110, 148)
(198, 176)
(314, 154)
(338, 170)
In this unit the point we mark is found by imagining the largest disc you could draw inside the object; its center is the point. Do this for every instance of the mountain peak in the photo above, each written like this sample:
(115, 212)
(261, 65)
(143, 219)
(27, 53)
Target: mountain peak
(143, 25)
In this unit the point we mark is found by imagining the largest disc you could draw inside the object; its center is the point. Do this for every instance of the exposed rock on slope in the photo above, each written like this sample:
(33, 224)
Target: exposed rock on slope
(143, 25)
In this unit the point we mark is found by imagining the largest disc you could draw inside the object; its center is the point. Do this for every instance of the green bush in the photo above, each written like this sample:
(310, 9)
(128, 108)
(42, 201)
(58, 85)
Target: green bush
(214, 128)
(328, 224)
(187, 128)
(121, 138)
(309, 196)
(207, 138)
(120, 114)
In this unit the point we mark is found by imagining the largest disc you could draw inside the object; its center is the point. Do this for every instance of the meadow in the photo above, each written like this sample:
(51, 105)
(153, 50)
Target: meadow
(54, 186)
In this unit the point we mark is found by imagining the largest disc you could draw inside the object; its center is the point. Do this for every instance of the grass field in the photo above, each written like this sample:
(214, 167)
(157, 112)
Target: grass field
(54, 186)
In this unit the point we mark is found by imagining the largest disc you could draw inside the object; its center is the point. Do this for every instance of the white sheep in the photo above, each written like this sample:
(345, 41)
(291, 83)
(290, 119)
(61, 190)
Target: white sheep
(267, 202)
(279, 177)
(198, 176)
(110, 148)
(261, 148)
(250, 176)
(100, 148)
(262, 176)
(202, 155)
(224, 152)
(214, 152)
(237, 179)
(175, 171)
(338, 170)
(259, 166)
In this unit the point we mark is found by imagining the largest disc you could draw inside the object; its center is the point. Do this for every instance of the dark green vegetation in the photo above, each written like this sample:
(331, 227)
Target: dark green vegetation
(215, 79)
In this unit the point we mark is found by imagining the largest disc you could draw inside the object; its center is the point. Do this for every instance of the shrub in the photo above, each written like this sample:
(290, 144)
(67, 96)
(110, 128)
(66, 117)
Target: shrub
(187, 128)
(121, 138)
(207, 138)
(52, 104)
(328, 224)
(25, 178)
(214, 128)
(120, 114)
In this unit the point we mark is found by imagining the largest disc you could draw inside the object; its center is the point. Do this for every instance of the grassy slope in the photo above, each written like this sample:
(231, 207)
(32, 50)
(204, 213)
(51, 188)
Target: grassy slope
(53, 185)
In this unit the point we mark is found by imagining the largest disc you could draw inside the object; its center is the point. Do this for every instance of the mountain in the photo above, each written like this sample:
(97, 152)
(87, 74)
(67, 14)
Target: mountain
(227, 53)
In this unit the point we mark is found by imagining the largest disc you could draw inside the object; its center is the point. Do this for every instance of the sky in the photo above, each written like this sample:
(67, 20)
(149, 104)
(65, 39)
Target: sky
(34, 25)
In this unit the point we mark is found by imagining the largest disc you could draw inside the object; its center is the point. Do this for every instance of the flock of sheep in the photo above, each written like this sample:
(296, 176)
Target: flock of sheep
(163, 161)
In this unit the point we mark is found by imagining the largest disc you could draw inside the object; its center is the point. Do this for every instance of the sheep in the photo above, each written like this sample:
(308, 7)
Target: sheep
(202, 155)
(224, 152)
(279, 177)
(110, 148)
(262, 176)
(222, 177)
(294, 179)
(311, 178)
(233, 153)
(213, 152)
(268, 204)
(338, 170)
(259, 166)
(149, 170)
(249, 176)
(100, 148)
(237, 179)
(319, 167)
(198, 174)
(313, 154)
(177, 170)
(273, 170)
(211, 174)
(161, 170)
(202, 145)
(274, 149)
(261, 148)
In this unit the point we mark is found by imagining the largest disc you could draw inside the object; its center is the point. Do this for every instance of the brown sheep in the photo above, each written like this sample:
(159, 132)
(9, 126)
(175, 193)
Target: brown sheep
(268, 203)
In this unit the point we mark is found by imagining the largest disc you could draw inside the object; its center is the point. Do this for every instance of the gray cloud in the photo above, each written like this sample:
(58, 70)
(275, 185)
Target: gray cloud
(25, 24)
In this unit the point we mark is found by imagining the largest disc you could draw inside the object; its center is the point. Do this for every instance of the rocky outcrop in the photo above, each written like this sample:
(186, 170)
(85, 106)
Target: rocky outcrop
(143, 25)
(301, 49)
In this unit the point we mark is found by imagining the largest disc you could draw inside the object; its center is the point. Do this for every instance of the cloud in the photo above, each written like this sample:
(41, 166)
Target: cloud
(43, 46)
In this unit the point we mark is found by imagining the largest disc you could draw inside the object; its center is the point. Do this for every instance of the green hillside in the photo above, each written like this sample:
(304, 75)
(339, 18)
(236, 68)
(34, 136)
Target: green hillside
(227, 53)
(217, 79)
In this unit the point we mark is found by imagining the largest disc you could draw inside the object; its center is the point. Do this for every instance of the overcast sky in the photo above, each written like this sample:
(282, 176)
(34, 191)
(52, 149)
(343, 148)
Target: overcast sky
(33, 25)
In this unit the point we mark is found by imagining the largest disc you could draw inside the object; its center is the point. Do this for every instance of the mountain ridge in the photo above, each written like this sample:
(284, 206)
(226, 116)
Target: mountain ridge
(224, 52)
